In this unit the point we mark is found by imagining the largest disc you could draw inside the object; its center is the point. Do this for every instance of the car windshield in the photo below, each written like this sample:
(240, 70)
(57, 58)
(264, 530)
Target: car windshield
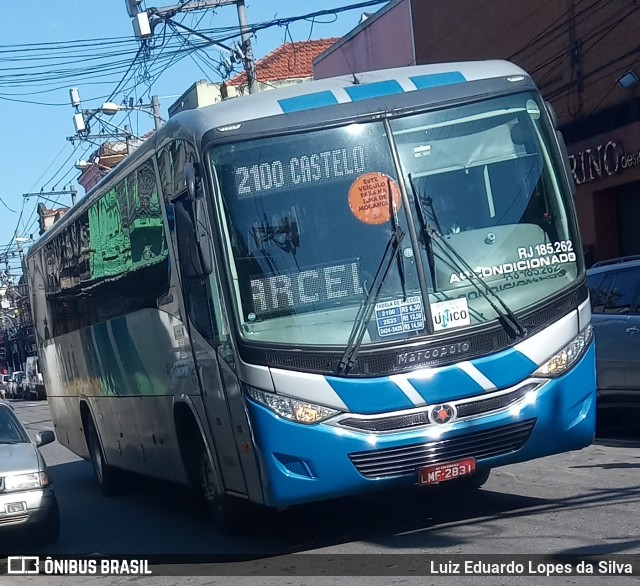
(11, 430)
(309, 217)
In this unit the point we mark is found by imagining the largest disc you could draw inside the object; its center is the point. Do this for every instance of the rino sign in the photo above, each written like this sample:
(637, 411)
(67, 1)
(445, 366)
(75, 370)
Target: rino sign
(604, 160)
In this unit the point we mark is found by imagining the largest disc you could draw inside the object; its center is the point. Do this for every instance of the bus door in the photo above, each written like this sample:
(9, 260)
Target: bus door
(213, 356)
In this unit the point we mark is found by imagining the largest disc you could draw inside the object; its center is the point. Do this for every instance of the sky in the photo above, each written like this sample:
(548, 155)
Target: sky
(48, 47)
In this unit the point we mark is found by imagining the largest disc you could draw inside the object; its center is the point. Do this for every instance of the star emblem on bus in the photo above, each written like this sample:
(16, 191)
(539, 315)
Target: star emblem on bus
(442, 413)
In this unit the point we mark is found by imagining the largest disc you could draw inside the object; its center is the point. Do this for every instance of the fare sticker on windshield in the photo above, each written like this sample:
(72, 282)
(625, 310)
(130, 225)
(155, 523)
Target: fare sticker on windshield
(369, 198)
(450, 314)
(398, 316)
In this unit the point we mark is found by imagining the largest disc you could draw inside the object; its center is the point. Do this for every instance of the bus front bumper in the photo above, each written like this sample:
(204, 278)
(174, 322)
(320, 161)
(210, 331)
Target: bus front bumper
(305, 463)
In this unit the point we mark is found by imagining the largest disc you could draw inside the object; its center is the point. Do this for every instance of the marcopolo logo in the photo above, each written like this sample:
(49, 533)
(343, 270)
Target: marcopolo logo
(430, 355)
(450, 313)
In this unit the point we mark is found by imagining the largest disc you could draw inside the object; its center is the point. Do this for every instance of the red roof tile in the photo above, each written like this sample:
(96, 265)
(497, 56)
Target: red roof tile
(289, 61)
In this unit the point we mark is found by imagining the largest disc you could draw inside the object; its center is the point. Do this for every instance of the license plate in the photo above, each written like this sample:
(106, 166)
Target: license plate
(447, 471)
(15, 507)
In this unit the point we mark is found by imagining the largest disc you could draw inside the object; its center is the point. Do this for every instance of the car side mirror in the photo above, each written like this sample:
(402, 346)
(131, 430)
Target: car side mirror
(45, 437)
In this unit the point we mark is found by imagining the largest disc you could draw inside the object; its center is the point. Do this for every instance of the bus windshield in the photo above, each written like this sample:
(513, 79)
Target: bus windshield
(308, 218)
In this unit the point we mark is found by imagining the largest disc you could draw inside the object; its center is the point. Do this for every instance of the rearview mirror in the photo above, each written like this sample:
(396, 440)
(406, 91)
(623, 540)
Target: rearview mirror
(194, 233)
(190, 179)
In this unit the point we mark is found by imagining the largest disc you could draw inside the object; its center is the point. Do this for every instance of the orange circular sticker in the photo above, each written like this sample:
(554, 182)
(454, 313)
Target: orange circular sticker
(369, 198)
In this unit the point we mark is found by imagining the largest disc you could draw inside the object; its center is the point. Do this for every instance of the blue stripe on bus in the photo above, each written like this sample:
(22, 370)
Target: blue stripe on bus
(506, 369)
(366, 396)
(437, 385)
(449, 383)
(373, 90)
(423, 82)
(308, 102)
(446, 384)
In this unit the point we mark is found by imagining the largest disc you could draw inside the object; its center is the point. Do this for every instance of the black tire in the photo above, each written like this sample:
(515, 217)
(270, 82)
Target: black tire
(461, 486)
(607, 418)
(107, 476)
(49, 529)
(229, 514)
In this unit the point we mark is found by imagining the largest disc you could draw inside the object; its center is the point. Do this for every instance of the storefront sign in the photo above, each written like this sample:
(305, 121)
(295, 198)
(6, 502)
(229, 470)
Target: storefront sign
(604, 160)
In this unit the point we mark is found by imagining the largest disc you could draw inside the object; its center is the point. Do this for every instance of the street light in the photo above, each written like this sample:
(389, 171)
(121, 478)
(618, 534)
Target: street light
(82, 165)
(111, 108)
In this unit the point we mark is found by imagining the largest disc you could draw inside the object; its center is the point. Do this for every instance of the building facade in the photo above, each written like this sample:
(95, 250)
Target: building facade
(289, 64)
(584, 56)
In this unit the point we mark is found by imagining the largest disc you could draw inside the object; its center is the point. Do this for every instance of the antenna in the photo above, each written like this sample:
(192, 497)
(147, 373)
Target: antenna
(355, 80)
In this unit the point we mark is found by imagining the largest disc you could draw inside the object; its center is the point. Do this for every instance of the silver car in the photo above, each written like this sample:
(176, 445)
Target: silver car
(614, 287)
(4, 385)
(27, 500)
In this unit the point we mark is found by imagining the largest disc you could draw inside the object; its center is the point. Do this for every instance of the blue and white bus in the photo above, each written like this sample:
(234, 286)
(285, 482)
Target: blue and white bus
(346, 285)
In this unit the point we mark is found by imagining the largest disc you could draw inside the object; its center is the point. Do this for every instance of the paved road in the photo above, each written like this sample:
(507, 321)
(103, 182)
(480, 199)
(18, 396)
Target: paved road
(582, 502)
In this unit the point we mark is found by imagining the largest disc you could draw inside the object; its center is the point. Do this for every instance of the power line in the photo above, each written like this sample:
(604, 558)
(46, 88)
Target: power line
(4, 203)
(56, 65)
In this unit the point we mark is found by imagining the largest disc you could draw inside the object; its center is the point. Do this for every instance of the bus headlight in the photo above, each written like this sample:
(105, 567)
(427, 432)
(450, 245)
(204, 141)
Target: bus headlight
(566, 358)
(292, 409)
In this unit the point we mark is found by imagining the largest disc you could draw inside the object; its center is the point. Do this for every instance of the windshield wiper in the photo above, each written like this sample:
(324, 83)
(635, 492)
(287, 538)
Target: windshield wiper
(363, 316)
(366, 309)
(424, 228)
(507, 318)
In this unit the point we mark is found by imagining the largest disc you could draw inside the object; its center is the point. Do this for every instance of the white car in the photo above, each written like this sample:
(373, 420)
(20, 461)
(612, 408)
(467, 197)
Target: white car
(27, 500)
(16, 385)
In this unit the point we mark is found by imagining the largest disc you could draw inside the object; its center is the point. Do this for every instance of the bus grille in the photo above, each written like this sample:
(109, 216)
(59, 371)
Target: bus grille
(408, 459)
(421, 418)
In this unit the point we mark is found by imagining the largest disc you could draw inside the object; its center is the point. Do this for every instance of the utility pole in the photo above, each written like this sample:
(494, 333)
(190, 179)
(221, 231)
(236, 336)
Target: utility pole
(41, 194)
(82, 118)
(249, 63)
(41, 207)
(19, 241)
(155, 106)
(144, 23)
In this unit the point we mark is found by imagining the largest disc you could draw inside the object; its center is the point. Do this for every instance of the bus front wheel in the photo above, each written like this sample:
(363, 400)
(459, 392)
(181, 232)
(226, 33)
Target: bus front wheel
(106, 475)
(226, 511)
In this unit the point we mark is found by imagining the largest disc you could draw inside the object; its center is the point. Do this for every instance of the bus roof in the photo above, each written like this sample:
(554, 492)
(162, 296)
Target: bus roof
(346, 88)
